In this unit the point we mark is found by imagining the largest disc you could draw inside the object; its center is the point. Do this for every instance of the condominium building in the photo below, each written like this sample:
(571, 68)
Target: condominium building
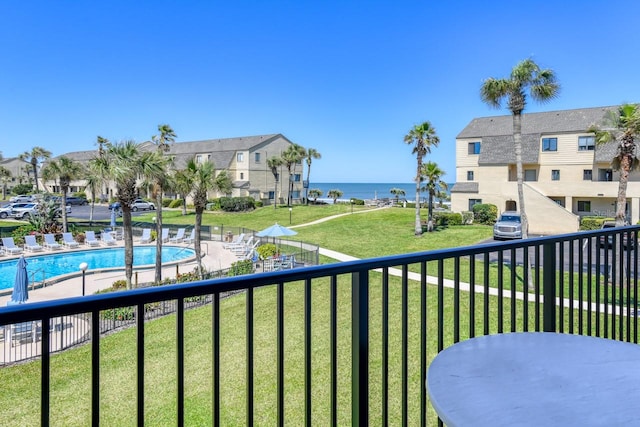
(244, 159)
(566, 175)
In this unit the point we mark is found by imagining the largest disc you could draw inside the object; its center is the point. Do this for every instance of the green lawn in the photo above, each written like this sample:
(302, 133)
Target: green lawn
(371, 234)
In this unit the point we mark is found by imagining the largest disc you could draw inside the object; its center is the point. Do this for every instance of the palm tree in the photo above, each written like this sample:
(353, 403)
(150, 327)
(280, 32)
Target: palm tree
(542, 87)
(162, 142)
(423, 137)
(102, 144)
(93, 183)
(274, 163)
(315, 193)
(397, 192)
(311, 154)
(183, 185)
(432, 174)
(123, 163)
(223, 183)
(202, 177)
(291, 157)
(622, 126)
(5, 177)
(335, 195)
(34, 157)
(64, 170)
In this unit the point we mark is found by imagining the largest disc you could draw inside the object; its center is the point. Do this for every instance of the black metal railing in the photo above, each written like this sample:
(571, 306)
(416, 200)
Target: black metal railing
(399, 312)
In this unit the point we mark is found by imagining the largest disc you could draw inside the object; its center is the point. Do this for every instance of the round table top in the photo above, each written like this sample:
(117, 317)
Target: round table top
(538, 379)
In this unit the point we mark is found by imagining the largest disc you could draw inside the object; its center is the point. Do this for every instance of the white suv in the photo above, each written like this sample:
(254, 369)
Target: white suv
(508, 226)
(140, 204)
(22, 198)
(24, 210)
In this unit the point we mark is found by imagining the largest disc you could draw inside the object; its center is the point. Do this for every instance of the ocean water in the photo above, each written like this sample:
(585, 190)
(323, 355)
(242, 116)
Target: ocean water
(366, 191)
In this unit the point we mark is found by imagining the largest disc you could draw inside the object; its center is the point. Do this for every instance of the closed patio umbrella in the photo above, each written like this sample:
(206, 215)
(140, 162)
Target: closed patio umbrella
(113, 217)
(20, 292)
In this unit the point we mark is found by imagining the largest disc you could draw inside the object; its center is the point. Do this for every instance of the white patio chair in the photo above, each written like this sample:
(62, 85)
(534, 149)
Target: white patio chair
(90, 239)
(108, 239)
(31, 245)
(179, 237)
(165, 235)
(146, 236)
(235, 242)
(50, 242)
(69, 241)
(191, 237)
(10, 246)
(242, 246)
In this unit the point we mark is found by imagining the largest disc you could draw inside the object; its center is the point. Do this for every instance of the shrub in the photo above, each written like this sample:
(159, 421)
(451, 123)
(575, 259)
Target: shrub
(485, 213)
(448, 218)
(358, 202)
(267, 250)
(80, 194)
(259, 204)
(467, 218)
(22, 189)
(593, 222)
(240, 268)
(166, 202)
(19, 233)
(237, 204)
(175, 203)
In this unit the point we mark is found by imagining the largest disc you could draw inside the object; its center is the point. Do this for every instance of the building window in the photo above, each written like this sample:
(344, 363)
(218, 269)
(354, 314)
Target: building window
(474, 202)
(530, 175)
(272, 195)
(296, 194)
(241, 175)
(587, 175)
(549, 144)
(586, 143)
(469, 175)
(257, 157)
(198, 158)
(240, 157)
(474, 148)
(296, 177)
(584, 206)
(555, 175)
(605, 175)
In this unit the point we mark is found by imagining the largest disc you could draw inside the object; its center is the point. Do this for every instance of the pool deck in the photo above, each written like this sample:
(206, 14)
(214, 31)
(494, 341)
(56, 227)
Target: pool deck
(215, 258)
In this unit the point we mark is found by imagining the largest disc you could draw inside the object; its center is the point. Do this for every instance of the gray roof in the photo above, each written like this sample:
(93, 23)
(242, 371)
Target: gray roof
(537, 123)
(497, 133)
(222, 150)
(465, 187)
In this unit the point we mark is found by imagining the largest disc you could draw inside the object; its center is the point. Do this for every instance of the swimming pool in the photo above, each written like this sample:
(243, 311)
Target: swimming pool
(44, 267)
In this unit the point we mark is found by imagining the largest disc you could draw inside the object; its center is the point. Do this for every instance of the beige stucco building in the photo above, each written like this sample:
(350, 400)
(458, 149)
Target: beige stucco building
(244, 159)
(566, 175)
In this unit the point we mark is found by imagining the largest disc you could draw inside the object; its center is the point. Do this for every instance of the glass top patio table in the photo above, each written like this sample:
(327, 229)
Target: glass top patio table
(536, 379)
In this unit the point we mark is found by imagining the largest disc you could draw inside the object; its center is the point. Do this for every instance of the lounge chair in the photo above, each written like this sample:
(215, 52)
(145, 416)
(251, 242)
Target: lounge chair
(50, 242)
(234, 242)
(179, 237)
(243, 246)
(10, 246)
(90, 239)
(31, 245)
(247, 253)
(146, 236)
(69, 241)
(108, 239)
(165, 235)
(189, 239)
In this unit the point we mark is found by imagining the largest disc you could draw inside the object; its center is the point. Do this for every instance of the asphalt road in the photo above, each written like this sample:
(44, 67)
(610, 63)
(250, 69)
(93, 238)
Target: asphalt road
(100, 212)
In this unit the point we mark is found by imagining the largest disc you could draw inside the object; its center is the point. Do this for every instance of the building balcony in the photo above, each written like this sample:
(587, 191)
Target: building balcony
(336, 344)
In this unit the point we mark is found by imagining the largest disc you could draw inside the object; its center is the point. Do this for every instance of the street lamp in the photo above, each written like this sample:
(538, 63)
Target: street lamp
(290, 210)
(83, 267)
(351, 205)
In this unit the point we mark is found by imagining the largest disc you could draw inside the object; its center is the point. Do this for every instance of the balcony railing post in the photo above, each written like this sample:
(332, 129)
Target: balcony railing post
(549, 287)
(360, 348)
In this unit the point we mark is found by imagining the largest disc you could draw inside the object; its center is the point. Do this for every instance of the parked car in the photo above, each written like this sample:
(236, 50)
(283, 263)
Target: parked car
(607, 241)
(5, 211)
(143, 205)
(74, 200)
(508, 226)
(24, 210)
(22, 198)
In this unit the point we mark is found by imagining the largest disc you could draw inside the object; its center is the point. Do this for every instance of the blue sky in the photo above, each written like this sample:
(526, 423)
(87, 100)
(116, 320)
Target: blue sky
(346, 78)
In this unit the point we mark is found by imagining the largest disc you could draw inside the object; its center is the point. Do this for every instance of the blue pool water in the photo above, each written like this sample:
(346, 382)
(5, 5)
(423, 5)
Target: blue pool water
(58, 263)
